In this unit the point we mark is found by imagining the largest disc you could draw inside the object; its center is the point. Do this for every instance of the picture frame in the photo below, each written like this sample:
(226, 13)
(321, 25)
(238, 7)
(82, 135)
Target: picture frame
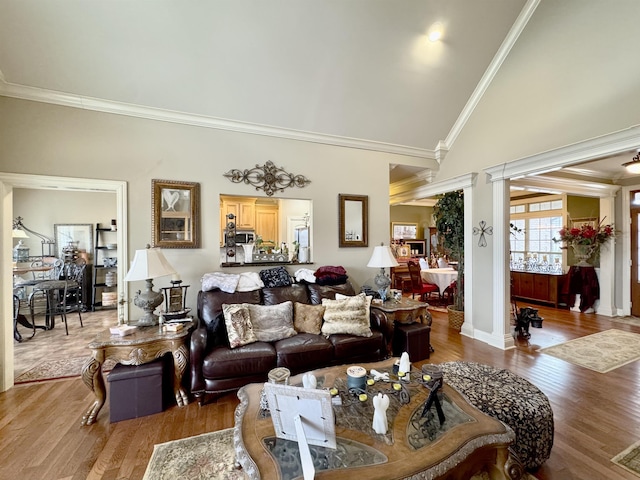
(353, 220)
(404, 231)
(175, 221)
(81, 234)
(579, 222)
(313, 405)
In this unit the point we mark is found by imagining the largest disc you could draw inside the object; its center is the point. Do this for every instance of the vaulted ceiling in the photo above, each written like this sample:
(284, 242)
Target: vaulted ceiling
(352, 72)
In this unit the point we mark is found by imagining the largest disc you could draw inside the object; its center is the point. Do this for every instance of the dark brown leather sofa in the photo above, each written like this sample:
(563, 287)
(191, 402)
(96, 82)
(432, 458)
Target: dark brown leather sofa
(216, 368)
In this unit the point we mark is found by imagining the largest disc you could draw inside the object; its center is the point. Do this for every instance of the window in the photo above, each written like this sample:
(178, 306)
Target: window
(532, 245)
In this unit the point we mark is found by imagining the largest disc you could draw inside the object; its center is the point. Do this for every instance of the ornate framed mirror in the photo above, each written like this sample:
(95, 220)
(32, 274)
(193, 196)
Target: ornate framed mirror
(354, 220)
(176, 209)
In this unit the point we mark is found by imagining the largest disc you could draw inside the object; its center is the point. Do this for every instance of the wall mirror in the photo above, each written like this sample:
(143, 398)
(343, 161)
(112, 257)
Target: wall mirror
(354, 220)
(176, 209)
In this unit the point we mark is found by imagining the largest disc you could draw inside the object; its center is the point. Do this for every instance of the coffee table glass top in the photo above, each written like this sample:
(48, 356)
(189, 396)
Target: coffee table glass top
(354, 414)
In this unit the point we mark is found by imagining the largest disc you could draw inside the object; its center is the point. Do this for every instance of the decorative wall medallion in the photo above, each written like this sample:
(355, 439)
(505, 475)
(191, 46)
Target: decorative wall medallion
(482, 242)
(268, 177)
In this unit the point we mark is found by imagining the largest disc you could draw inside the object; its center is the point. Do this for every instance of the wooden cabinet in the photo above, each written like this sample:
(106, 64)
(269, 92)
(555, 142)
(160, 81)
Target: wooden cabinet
(267, 223)
(243, 208)
(539, 287)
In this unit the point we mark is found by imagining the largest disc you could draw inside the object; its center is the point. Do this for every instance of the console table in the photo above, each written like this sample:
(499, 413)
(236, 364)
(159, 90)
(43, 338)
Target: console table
(464, 444)
(143, 346)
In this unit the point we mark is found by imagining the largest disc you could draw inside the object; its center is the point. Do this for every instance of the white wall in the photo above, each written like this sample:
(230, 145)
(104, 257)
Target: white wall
(52, 140)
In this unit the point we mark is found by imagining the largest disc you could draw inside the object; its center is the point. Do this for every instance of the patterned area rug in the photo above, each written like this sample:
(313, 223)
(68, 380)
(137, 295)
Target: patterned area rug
(209, 456)
(56, 369)
(626, 320)
(629, 459)
(601, 352)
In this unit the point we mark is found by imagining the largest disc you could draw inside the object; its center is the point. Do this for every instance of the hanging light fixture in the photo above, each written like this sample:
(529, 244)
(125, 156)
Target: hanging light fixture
(634, 165)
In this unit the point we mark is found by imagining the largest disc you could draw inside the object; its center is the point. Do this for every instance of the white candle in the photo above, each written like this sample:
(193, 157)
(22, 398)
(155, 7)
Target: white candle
(175, 277)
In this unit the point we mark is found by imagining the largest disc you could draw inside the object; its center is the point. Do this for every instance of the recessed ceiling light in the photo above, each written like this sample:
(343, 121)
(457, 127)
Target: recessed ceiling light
(435, 32)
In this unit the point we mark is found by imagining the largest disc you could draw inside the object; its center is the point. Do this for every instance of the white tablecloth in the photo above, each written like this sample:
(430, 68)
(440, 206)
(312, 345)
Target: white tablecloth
(442, 277)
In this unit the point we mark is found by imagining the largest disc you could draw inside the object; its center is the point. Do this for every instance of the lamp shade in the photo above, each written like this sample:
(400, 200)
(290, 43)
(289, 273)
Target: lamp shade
(19, 233)
(149, 263)
(382, 257)
(634, 165)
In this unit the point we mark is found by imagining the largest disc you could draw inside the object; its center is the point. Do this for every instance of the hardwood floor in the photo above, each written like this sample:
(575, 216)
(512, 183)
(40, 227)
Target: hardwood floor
(596, 415)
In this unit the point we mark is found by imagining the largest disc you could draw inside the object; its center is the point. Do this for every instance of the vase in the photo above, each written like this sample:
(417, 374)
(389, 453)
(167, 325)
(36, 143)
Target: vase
(583, 253)
(248, 252)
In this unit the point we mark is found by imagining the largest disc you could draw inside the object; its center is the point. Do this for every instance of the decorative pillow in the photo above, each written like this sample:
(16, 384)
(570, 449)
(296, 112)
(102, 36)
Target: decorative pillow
(348, 316)
(307, 318)
(275, 277)
(238, 323)
(340, 296)
(272, 322)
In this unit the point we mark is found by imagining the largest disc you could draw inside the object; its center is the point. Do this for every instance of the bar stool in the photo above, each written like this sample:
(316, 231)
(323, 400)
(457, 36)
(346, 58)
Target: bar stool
(62, 297)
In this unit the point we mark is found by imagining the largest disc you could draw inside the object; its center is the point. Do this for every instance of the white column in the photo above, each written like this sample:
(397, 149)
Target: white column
(606, 278)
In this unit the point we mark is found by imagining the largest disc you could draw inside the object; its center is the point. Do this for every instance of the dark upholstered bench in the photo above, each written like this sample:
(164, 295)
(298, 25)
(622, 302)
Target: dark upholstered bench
(511, 399)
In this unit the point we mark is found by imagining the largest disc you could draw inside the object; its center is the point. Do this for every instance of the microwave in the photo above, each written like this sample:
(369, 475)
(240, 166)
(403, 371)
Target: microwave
(242, 237)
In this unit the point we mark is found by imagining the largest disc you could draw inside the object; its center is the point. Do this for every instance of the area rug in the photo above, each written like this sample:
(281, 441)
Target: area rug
(626, 320)
(629, 459)
(209, 456)
(56, 369)
(601, 352)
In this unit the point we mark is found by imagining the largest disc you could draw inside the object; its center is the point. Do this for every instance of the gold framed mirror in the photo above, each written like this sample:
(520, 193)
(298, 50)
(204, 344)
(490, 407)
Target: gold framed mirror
(354, 220)
(176, 208)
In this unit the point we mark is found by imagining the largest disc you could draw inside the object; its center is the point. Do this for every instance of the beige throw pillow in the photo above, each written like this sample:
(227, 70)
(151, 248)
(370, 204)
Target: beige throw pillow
(272, 322)
(307, 318)
(348, 316)
(239, 328)
(340, 296)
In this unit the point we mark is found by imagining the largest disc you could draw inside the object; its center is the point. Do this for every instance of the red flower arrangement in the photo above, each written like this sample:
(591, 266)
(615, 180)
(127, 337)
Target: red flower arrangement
(586, 234)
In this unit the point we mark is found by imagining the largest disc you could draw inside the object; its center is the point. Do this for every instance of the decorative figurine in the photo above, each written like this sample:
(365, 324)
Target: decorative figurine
(405, 364)
(380, 404)
(309, 380)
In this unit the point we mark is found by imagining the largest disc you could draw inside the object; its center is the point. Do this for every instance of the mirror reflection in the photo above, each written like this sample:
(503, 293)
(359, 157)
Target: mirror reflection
(267, 230)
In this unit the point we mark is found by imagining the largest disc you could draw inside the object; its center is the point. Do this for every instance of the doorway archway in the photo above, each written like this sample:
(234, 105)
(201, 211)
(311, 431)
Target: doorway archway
(9, 181)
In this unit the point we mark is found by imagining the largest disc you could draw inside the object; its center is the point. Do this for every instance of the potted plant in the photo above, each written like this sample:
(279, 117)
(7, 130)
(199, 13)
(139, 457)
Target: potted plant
(448, 213)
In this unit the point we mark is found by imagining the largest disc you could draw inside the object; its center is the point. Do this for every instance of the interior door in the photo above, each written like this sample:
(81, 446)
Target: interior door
(635, 253)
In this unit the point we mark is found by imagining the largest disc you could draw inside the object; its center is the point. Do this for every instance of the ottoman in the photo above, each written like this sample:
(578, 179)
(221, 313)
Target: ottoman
(511, 399)
(412, 338)
(135, 391)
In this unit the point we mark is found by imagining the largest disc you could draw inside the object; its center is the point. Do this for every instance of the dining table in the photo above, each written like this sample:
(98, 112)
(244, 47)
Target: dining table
(442, 277)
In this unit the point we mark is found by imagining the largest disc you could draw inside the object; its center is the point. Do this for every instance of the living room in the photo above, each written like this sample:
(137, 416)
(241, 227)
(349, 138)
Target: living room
(547, 92)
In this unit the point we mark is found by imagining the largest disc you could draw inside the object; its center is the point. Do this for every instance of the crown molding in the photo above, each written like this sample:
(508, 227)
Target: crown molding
(489, 74)
(119, 108)
(432, 189)
(591, 149)
(549, 184)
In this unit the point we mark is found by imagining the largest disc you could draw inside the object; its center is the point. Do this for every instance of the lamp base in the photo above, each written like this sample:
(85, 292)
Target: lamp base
(382, 282)
(148, 301)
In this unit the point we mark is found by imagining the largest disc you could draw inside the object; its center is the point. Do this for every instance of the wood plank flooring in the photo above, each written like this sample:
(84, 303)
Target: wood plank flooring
(596, 415)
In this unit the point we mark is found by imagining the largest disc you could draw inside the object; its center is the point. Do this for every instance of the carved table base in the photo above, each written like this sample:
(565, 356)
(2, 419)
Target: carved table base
(143, 346)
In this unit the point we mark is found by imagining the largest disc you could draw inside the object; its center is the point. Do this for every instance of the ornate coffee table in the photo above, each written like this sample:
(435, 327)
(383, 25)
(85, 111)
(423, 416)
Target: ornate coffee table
(415, 447)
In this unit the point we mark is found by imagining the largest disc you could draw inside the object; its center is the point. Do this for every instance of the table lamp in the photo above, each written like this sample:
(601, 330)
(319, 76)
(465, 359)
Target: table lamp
(382, 258)
(148, 264)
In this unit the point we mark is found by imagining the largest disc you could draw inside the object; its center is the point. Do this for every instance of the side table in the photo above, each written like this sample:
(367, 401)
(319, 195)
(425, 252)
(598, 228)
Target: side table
(143, 346)
(405, 311)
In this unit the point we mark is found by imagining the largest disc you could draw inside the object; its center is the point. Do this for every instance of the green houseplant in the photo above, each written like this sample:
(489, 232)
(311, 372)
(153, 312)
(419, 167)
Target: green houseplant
(448, 213)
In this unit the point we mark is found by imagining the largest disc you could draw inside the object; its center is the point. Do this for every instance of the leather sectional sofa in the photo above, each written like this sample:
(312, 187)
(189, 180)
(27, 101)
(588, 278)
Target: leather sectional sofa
(217, 368)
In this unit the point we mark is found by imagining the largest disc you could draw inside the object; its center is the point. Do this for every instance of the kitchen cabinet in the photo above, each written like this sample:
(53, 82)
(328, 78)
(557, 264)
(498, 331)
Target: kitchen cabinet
(267, 223)
(244, 210)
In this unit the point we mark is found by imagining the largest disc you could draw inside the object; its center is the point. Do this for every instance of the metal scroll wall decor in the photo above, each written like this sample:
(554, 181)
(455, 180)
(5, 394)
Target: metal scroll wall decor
(268, 177)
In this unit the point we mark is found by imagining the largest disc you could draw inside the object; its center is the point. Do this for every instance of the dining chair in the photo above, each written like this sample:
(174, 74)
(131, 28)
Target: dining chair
(418, 286)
